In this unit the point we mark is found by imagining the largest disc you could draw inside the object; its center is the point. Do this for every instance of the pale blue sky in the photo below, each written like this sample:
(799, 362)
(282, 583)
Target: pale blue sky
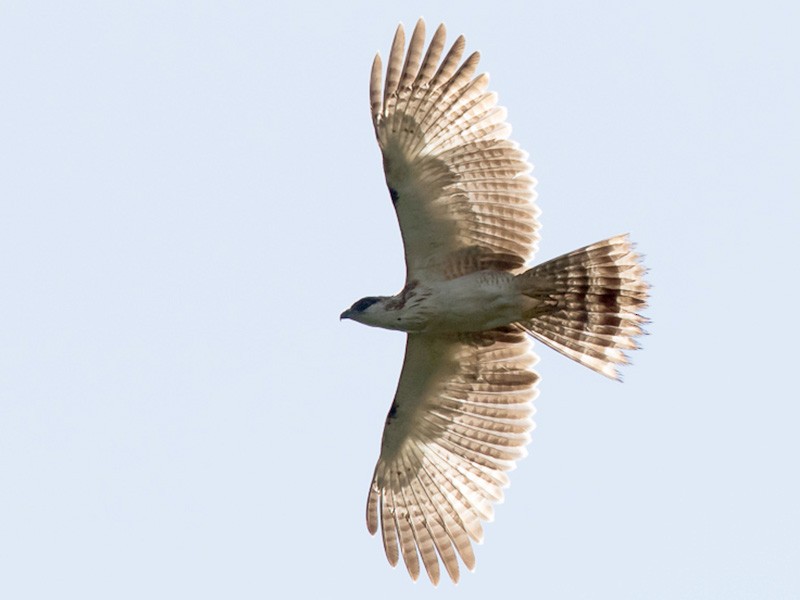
(190, 193)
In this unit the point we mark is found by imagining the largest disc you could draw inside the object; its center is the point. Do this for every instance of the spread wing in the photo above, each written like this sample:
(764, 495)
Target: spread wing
(460, 187)
(459, 420)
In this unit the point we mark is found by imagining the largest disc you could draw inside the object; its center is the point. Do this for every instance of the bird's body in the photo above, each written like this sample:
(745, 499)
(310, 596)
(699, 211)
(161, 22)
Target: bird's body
(464, 200)
(474, 302)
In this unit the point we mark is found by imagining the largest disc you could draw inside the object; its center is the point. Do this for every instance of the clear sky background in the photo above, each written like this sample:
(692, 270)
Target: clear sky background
(190, 193)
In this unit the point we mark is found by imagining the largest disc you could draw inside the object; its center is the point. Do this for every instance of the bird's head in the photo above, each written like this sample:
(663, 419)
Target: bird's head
(404, 312)
(369, 311)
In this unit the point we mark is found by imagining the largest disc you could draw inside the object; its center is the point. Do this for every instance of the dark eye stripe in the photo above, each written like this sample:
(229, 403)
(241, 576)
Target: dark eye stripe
(364, 304)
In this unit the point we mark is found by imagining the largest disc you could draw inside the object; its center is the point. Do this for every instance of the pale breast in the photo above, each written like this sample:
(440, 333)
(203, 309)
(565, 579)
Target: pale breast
(474, 302)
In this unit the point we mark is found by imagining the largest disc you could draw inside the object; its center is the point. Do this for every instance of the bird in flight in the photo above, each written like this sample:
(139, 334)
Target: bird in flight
(464, 199)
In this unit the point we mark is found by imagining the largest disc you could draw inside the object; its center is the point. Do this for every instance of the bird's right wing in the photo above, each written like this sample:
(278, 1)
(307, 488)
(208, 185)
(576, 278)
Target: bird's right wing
(459, 420)
(460, 187)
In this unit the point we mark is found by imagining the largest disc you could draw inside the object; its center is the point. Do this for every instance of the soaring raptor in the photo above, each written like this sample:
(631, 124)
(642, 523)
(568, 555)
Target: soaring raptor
(464, 199)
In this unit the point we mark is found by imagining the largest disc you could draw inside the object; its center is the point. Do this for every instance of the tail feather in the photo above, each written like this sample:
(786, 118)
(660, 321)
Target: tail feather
(587, 303)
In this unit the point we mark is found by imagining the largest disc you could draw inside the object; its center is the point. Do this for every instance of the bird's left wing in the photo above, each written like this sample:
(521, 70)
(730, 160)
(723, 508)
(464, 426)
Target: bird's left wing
(460, 187)
(459, 420)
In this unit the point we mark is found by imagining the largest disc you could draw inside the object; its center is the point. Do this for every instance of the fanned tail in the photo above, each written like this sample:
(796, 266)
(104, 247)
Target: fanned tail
(588, 303)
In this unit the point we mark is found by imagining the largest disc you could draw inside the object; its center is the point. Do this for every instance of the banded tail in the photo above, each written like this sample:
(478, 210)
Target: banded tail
(590, 298)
